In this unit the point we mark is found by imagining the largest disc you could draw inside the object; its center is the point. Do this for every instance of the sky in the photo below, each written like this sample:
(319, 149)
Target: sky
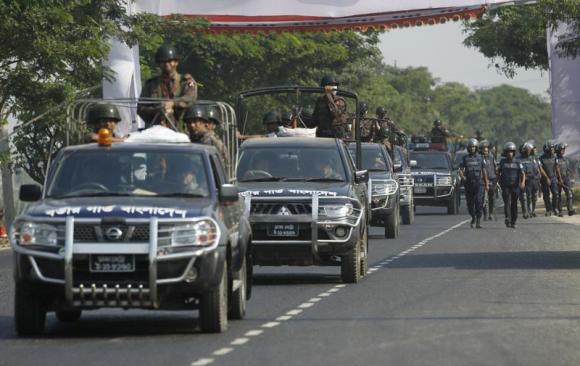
(440, 48)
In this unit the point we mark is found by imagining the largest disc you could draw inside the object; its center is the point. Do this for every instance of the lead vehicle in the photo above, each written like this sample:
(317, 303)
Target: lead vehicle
(307, 203)
(132, 225)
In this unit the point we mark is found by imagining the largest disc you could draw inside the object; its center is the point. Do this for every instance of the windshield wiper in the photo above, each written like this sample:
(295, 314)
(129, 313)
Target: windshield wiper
(324, 180)
(264, 179)
(181, 194)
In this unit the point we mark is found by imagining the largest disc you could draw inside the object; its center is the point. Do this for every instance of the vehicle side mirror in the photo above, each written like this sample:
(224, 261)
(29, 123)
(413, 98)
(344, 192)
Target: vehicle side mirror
(413, 163)
(30, 192)
(229, 193)
(361, 176)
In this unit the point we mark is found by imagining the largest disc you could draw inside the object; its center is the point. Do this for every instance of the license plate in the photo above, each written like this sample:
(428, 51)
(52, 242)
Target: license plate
(420, 190)
(112, 263)
(279, 230)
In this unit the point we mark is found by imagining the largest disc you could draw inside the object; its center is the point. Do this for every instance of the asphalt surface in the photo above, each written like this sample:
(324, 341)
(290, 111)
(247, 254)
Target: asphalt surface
(442, 294)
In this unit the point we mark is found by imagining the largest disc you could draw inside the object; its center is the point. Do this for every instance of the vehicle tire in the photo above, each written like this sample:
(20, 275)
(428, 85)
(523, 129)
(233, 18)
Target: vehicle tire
(392, 226)
(68, 316)
(452, 206)
(213, 307)
(29, 311)
(364, 263)
(350, 266)
(408, 214)
(238, 297)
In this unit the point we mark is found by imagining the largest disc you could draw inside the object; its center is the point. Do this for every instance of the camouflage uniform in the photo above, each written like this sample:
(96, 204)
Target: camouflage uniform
(210, 138)
(329, 118)
(181, 89)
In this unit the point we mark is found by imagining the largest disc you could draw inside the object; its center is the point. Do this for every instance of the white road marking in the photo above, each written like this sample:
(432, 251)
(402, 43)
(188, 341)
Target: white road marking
(294, 312)
(290, 313)
(240, 341)
(254, 332)
(202, 362)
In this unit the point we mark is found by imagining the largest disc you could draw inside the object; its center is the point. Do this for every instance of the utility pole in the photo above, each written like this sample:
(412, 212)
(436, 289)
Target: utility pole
(7, 184)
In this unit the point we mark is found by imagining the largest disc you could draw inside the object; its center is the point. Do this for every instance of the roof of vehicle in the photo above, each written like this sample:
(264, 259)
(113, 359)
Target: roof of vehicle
(131, 146)
(291, 142)
(365, 145)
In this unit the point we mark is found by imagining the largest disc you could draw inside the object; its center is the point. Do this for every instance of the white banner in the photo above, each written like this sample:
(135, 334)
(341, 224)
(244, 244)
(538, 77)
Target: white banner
(565, 92)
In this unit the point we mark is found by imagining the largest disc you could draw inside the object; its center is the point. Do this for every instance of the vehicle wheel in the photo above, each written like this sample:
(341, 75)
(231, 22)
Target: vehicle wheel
(452, 206)
(238, 302)
(364, 262)
(68, 316)
(408, 214)
(213, 307)
(392, 225)
(350, 266)
(29, 311)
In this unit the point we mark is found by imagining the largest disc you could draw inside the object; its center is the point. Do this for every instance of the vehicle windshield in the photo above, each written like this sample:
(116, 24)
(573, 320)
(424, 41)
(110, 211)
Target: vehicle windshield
(128, 173)
(430, 161)
(291, 164)
(372, 158)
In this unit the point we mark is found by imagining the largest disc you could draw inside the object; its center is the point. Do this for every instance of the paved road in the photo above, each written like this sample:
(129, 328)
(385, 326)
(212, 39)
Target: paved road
(443, 294)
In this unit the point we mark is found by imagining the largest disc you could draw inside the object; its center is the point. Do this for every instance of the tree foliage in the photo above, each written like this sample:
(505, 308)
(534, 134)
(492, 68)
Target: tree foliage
(515, 36)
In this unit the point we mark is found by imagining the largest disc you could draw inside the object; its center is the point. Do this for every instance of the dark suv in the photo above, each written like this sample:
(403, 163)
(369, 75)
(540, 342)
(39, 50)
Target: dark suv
(132, 225)
(383, 187)
(435, 181)
(307, 203)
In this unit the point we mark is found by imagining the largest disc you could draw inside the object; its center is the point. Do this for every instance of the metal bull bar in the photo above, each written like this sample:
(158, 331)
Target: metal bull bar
(115, 295)
(315, 219)
(435, 185)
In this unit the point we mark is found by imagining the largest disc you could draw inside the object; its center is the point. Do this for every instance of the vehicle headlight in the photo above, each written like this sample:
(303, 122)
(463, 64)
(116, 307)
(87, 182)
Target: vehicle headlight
(202, 233)
(336, 211)
(385, 188)
(32, 233)
(444, 180)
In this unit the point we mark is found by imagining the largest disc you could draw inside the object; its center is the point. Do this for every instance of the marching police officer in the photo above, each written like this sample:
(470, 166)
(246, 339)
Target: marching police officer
(564, 172)
(491, 171)
(529, 196)
(329, 114)
(179, 91)
(511, 179)
(198, 117)
(473, 172)
(104, 115)
(549, 178)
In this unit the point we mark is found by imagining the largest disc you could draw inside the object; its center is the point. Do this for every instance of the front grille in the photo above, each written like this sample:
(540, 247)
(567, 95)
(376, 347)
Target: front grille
(85, 233)
(259, 208)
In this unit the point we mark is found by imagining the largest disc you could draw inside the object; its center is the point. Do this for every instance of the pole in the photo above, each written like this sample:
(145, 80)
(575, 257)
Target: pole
(7, 184)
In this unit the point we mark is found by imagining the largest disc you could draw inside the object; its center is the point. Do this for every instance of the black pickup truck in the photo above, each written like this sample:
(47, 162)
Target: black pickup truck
(307, 203)
(132, 225)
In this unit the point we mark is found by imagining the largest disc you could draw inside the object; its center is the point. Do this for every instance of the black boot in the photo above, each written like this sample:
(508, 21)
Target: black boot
(478, 223)
(472, 221)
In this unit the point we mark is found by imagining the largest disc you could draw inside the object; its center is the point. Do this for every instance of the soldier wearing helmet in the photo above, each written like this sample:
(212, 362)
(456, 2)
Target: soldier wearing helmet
(329, 116)
(491, 171)
(272, 120)
(512, 180)
(198, 118)
(529, 196)
(549, 179)
(287, 119)
(178, 91)
(100, 116)
(564, 173)
(474, 176)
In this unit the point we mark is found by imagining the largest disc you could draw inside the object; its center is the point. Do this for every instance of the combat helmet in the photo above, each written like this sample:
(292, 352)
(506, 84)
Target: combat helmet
(103, 111)
(166, 53)
(329, 80)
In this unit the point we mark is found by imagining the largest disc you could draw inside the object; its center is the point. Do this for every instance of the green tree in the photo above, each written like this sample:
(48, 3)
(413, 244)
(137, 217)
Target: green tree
(515, 36)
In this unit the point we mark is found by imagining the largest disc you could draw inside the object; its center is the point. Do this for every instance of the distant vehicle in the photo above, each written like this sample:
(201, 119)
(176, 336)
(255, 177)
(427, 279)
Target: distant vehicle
(436, 183)
(308, 204)
(383, 187)
(132, 225)
(402, 168)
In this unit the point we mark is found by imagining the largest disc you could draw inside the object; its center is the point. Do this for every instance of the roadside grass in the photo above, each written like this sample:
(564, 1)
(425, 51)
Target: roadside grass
(577, 197)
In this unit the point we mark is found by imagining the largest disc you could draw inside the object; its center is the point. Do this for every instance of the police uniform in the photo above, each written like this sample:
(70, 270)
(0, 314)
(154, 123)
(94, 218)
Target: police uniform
(473, 167)
(529, 195)
(181, 89)
(565, 168)
(510, 173)
(550, 185)
(491, 171)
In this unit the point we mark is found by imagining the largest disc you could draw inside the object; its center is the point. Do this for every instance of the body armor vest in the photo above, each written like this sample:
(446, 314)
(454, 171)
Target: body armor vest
(563, 164)
(472, 165)
(490, 167)
(549, 165)
(510, 173)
